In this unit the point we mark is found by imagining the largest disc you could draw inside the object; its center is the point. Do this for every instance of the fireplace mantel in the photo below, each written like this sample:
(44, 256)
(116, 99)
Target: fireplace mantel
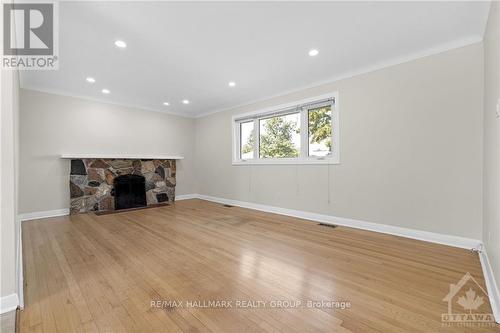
(122, 157)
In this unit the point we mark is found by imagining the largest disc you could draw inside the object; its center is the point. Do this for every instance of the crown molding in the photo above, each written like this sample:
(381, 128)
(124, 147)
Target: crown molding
(346, 75)
(98, 100)
(365, 70)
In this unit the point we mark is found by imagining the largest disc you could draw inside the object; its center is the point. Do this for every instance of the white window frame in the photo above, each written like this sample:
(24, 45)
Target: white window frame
(303, 106)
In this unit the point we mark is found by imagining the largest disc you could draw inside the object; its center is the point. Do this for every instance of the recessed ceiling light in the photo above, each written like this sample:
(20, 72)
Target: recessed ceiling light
(90, 79)
(105, 91)
(121, 44)
(231, 83)
(166, 103)
(313, 52)
(185, 101)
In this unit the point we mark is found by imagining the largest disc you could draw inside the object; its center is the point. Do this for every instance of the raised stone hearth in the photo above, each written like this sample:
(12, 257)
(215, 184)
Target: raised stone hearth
(92, 179)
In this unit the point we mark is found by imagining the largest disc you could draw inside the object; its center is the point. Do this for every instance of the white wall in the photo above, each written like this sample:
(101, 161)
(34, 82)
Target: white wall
(52, 124)
(411, 150)
(492, 139)
(9, 228)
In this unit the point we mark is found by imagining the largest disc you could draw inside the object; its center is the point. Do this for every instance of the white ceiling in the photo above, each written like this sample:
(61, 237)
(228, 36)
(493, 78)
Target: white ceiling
(191, 51)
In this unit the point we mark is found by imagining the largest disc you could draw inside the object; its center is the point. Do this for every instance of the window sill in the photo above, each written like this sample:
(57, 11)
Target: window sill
(287, 161)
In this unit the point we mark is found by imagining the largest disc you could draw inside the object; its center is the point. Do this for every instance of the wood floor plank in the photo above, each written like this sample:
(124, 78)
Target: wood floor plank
(89, 273)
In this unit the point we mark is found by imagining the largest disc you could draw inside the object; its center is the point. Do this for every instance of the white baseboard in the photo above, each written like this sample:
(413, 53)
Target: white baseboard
(65, 211)
(44, 214)
(186, 196)
(19, 263)
(8, 303)
(462, 242)
(491, 284)
(456, 241)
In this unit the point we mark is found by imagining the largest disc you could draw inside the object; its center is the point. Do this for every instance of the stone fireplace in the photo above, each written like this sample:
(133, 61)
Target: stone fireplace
(98, 184)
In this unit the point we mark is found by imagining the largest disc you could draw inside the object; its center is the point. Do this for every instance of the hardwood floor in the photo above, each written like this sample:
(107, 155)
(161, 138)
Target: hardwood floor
(101, 273)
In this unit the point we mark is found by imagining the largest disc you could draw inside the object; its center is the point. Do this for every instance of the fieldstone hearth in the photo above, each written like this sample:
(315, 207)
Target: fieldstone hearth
(92, 181)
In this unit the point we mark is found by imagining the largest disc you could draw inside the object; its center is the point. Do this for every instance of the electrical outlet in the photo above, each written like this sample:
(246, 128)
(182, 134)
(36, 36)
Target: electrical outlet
(498, 109)
(489, 236)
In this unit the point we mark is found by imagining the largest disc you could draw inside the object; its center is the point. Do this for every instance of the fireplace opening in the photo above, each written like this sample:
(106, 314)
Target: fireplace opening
(130, 191)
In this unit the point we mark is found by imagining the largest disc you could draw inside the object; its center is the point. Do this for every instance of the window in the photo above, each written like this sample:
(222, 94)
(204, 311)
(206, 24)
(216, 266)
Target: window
(305, 132)
(279, 136)
(320, 131)
(246, 140)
